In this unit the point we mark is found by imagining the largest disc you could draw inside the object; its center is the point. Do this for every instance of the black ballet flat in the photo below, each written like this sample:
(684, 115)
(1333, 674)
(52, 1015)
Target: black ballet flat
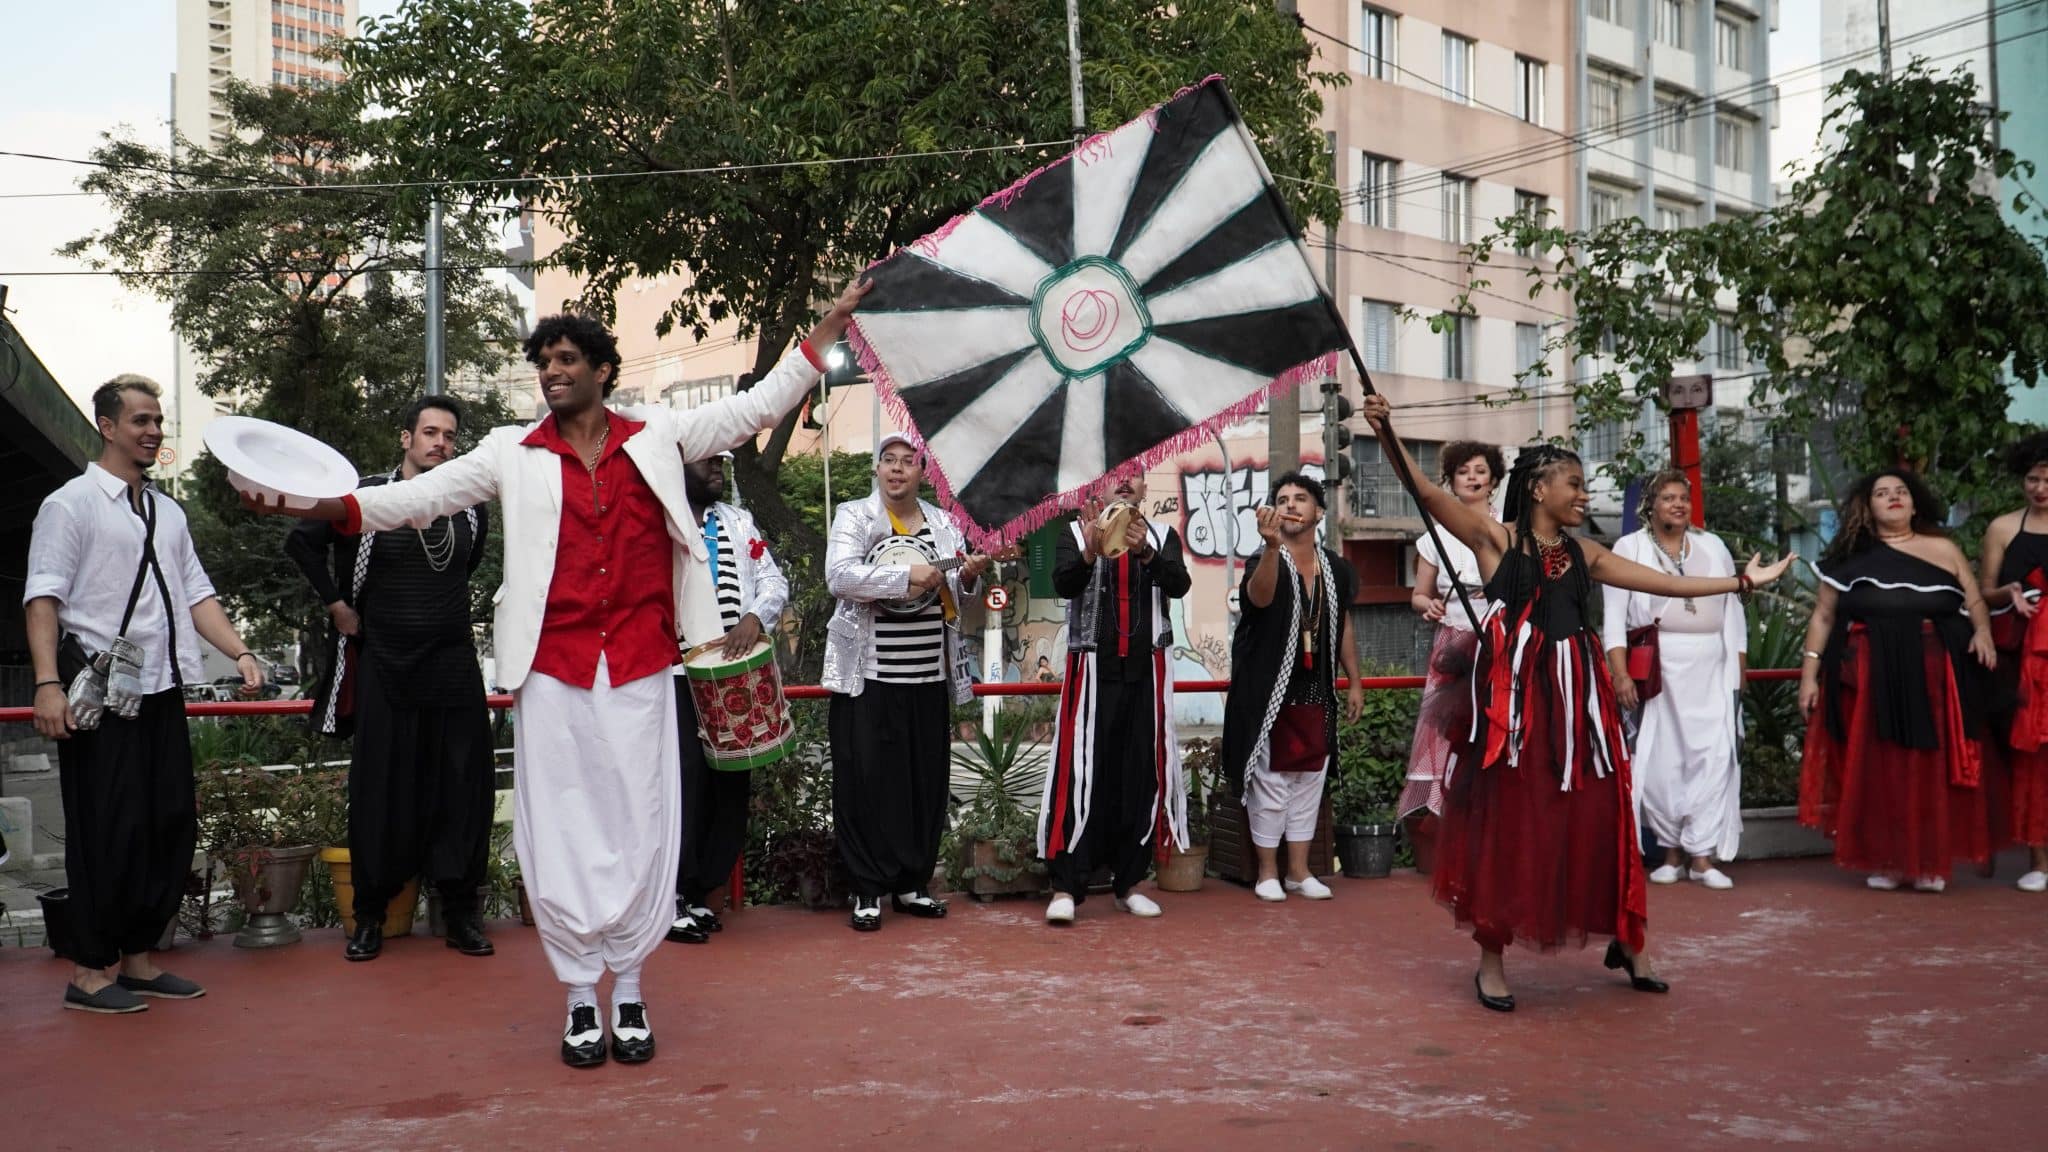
(1616, 958)
(1497, 1003)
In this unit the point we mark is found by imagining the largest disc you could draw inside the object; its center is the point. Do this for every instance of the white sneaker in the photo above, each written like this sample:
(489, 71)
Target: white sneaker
(1713, 878)
(1139, 904)
(1666, 874)
(1882, 882)
(1270, 890)
(1311, 889)
(2034, 881)
(1060, 911)
(1929, 884)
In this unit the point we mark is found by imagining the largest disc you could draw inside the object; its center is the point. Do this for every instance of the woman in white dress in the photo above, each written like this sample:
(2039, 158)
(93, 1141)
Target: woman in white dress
(1688, 783)
(1471, 471)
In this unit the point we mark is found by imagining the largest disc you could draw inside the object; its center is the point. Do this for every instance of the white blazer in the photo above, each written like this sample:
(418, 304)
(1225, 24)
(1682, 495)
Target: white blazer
(527, 483)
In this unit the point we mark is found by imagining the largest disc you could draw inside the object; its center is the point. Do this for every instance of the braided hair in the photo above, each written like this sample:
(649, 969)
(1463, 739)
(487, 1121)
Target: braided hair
(1533, 465)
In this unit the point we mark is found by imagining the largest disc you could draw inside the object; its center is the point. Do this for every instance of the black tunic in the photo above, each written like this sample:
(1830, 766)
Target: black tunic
(1167, 571)
(1258, 652)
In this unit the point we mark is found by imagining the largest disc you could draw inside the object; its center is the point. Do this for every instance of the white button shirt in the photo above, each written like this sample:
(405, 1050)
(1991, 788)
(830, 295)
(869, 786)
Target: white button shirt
(83, 553)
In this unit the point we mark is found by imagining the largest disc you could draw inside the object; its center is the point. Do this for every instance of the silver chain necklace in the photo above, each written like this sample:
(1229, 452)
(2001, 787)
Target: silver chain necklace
(1675, 565)
(439, 556)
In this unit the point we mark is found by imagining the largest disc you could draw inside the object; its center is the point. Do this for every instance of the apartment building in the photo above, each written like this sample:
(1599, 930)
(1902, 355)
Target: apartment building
(1675, 106)
(258, 42)
(1456, 116)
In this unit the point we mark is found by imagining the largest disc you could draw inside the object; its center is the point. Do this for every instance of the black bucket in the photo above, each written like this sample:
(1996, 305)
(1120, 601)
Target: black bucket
(57, 920)
(1366, 851)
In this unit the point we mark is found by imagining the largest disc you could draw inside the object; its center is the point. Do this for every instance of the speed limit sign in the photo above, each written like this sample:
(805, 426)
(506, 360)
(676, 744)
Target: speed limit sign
(998, 598)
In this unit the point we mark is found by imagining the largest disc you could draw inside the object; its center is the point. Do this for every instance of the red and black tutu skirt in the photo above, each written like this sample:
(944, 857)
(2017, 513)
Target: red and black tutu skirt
(1891, 808)
(1538, 844)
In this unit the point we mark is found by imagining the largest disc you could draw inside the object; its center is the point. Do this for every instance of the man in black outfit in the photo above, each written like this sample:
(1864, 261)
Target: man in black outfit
(1115, 791)
(406, 680)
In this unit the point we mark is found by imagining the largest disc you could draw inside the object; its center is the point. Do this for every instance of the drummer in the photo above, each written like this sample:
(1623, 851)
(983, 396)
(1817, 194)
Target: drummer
(752, 592)
(889, 676)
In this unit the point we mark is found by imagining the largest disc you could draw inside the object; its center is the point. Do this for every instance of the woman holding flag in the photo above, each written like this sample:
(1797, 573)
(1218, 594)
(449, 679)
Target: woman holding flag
(1539, 839)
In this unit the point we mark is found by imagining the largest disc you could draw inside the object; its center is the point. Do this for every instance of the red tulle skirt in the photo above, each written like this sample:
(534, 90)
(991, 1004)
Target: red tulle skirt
(2029, 798)
(1521, 860)
(1889, 808)
(2016, 780)
(1444, 720)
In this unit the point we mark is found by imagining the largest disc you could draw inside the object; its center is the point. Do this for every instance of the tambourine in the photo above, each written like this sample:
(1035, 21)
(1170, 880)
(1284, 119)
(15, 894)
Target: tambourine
(1111, 526)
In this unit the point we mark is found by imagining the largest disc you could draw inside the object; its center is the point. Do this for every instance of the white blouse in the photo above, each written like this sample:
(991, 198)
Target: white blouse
(1466, 564)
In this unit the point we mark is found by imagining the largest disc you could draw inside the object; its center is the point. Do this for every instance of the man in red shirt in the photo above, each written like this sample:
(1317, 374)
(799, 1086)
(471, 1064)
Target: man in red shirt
(604, 567)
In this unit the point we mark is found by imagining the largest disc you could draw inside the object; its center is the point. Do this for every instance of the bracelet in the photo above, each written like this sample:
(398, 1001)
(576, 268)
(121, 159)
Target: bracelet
(1812, 655)
(49, 683)
(1743, 584)
(244, 652)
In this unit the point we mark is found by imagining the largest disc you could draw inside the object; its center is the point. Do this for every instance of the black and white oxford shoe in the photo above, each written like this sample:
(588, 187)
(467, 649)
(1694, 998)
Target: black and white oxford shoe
(583, 1038)
(632, 1039)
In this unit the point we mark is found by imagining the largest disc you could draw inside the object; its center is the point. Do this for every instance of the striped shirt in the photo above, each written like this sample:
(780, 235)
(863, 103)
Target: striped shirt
(910, 649)
(730, 605)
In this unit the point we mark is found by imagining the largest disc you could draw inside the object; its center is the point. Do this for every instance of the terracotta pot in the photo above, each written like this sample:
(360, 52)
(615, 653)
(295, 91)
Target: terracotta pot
(398, 915)
(1183, 871)
(985, 854)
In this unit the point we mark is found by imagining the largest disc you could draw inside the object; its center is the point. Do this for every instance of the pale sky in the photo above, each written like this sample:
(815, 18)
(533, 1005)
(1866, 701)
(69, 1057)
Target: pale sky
(84, 67)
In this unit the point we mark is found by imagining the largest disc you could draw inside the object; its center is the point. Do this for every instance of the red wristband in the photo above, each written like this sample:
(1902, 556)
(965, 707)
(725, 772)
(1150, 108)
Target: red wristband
(811, 354)
(352, 517)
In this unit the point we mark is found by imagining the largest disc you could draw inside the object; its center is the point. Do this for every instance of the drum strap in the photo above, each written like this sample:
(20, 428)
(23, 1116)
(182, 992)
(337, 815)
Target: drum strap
(945, 588)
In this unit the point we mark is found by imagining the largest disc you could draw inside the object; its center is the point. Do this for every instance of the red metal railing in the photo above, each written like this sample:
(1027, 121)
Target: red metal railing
(800, 692)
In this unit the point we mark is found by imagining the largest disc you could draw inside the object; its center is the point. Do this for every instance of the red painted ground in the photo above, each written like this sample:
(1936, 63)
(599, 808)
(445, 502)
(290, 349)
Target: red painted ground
(1807, 1010)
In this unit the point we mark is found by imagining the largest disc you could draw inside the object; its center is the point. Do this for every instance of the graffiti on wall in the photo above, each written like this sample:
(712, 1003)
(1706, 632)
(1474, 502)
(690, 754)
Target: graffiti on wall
(1218, 509)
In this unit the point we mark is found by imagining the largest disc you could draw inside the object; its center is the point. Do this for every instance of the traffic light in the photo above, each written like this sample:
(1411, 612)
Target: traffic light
(1336, 437)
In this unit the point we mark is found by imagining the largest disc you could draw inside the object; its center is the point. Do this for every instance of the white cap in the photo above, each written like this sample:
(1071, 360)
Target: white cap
(889, 438)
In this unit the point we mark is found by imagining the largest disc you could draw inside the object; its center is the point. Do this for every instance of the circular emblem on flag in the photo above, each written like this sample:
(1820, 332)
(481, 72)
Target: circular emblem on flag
(998, 598)
(1088, 314)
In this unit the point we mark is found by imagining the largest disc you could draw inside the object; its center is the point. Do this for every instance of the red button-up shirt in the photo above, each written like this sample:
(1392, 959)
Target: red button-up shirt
(613, 591)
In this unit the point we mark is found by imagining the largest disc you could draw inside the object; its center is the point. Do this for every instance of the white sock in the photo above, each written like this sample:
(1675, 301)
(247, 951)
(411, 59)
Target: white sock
(582, 994)
(626, 988)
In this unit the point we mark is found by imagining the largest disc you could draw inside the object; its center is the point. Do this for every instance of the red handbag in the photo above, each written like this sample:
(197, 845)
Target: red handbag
(1645, 666)
(1300, 740)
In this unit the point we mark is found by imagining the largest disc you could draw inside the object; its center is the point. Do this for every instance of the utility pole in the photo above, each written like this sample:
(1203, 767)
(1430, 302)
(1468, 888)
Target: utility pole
(1074, 69)
(437, 360)
(1884, 38)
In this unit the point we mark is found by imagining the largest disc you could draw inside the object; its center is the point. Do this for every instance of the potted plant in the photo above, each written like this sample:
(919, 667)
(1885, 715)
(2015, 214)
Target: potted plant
(1372, 765)
(994, 836)
(791, 854)
(1183, 870)
(258, 824)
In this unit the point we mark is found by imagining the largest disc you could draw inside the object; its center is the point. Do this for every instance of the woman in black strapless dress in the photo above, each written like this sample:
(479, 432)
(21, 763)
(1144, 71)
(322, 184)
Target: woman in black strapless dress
(1893, 685)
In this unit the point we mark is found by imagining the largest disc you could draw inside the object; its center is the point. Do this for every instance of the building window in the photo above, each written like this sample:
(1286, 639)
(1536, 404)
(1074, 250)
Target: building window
(1375, 489)
(1528, 345)
(1727, 347)
(1668, 22)
(1376, 190)
(1612, 11)
(1730, 35)
(1604, 206)
(1529, 90)
(1457, 68)
(1457, 209)
(1671, 134)
(1379, 336)
(1731, 143)
(1533, 208)
(1457, 337)
(1599, 443)
(1670, 217)
(1378, 39)
(1605, 94)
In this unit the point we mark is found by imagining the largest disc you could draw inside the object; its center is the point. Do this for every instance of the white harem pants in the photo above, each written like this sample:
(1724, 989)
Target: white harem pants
(1281, 805)
(598, 819)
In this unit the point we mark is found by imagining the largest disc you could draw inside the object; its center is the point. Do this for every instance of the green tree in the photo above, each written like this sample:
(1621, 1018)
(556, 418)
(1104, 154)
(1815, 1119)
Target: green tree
(734, 91)
(302, 301)
(1885, 298)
